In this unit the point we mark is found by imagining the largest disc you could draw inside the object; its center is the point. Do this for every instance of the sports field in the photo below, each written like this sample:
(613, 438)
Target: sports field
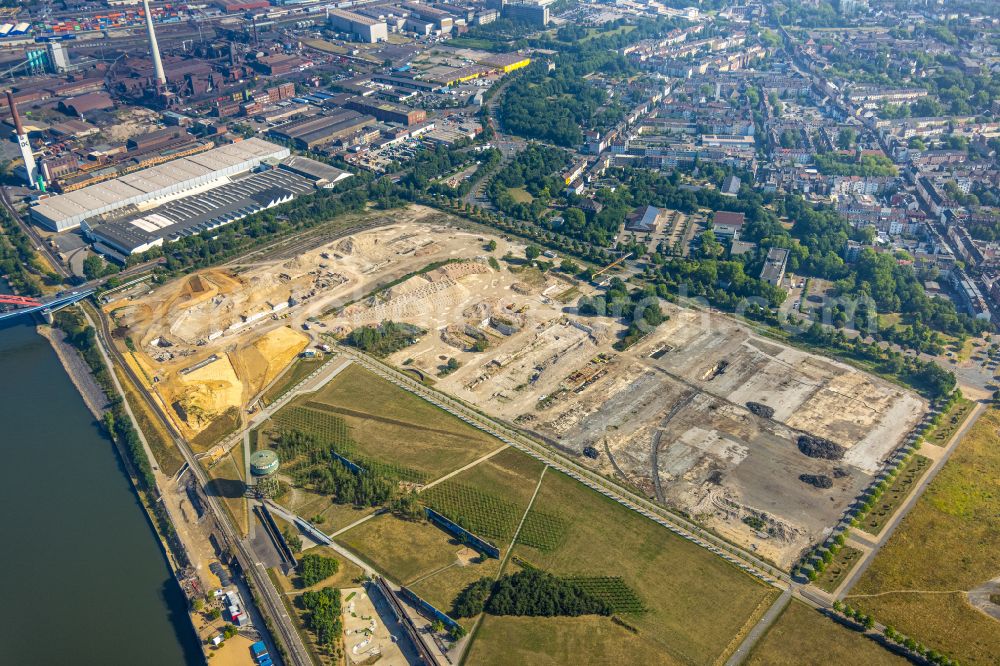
(804, 637)
(945, 546)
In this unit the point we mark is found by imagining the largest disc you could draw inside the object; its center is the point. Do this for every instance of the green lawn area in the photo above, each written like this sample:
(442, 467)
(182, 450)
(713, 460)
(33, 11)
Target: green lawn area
(895, 495)
(804, 637)
(950, 422)
(948, 542)
(837, 570)
(393, 426)
(520, 195)
(405, 551)
(310, 505)
(433, 569)
(698, 605)
(441, 588)
(551, 641)
(301, 368)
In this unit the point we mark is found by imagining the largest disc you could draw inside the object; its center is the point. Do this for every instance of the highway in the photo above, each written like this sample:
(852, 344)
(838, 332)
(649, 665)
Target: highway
(52, 305)
(272, 604)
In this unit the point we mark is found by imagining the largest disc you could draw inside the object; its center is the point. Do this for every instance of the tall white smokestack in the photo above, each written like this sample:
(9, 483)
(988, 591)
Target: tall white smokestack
(22, 141)
(161, 78)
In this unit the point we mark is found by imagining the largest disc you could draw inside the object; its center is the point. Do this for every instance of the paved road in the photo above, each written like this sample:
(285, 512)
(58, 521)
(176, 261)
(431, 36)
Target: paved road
(760, 628)
(905, 507)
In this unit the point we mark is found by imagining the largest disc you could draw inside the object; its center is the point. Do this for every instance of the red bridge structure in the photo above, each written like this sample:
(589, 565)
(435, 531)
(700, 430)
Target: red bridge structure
(23, 301)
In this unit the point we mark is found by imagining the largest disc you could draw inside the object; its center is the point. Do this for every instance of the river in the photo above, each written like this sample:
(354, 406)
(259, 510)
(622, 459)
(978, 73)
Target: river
(82, 576)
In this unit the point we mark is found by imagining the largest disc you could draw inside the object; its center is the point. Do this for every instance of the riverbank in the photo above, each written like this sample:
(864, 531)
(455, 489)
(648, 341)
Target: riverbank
(77, 370)
(143, 474)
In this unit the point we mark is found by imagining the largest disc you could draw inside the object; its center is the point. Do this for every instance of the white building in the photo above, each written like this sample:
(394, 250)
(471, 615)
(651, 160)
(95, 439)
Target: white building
(156, 185)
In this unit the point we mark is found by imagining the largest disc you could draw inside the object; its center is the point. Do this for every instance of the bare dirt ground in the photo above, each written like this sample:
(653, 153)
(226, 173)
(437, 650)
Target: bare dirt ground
(212, 340)
(668, 416)
(366, 638)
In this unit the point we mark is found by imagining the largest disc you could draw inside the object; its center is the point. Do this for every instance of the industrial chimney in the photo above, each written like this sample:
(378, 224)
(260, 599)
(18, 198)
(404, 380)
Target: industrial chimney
(161, 79)
(22, 141)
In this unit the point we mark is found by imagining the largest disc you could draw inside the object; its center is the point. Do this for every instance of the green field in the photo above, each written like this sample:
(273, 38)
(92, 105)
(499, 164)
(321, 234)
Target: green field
(311, 505)
(395, 427)
(946, 544)
(434, 571)
(691, 606)
(895, 495)
(520, 195)
(950, 422)
(405, 551)
(553, 641)
(838, 569)
(698, 605)
(804, 637)
(489, 499)
(301, 368)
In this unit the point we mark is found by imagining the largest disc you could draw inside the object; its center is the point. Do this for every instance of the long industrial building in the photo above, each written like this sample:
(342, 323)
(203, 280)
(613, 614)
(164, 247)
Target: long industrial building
(194, 214)
(363, 28)
(155, 185)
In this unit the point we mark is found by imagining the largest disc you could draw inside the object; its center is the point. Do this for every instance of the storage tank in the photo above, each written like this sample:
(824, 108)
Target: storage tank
(264, 463)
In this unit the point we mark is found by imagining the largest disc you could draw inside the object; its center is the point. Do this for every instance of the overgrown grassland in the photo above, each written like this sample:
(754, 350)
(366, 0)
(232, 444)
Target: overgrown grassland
(804, 637)
(697, 603)
(392, 425)
(945, 545)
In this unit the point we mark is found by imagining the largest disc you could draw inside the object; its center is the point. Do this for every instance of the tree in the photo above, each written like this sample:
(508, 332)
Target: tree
(537, 593)
(316, 568)
(491, 246)
(324, 617)
(93, 267)
(532, 252)
(846, 138)
(569, 266)
(471, 601)
(293, 540)
(407, 507)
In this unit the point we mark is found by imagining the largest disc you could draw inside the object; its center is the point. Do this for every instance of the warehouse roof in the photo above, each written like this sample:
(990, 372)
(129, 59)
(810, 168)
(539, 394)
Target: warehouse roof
(317, 171)
(147, 183)
(202, 211)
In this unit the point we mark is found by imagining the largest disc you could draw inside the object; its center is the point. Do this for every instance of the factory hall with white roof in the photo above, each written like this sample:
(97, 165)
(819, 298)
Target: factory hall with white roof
(141, 210)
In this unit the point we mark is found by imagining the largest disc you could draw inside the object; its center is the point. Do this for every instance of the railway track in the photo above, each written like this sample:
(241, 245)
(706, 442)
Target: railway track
(268, 601)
